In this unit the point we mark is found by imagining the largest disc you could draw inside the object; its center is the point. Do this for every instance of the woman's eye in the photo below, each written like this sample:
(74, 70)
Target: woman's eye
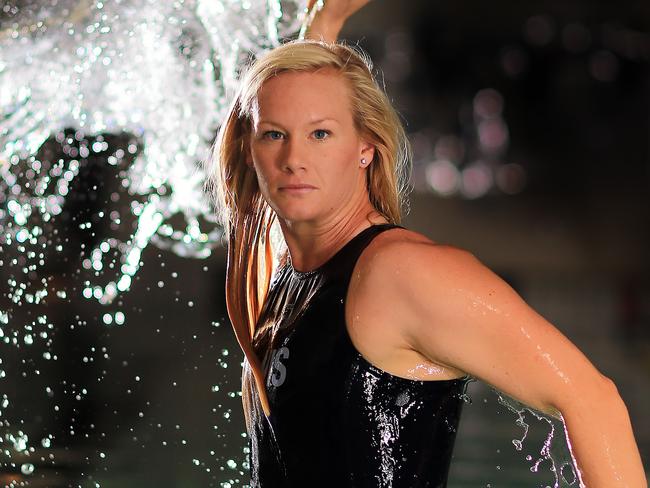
(273, 134)
(321, 133)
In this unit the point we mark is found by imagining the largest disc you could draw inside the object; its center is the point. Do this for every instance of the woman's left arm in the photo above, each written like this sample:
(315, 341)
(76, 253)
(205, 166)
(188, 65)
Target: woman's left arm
(456, 312)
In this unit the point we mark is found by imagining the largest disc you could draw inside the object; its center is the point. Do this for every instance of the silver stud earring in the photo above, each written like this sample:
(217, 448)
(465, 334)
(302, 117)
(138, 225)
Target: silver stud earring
(363, 161)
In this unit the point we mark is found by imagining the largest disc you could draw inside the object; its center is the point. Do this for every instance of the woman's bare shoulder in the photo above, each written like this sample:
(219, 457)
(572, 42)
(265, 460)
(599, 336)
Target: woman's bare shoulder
(404, 245)
(400, 257)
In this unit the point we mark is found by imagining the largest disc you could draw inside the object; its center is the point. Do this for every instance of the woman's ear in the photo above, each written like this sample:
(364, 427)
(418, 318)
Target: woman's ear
(367, 154)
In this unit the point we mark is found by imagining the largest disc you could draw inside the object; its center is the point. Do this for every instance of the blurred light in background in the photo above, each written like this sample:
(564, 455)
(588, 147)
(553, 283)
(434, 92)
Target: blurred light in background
(451, 148)
(539, 30)
(514, 61)
(450, 173)
(576, 38)
(603, 66)
(510, 178)
(476, 180)
(443, 177)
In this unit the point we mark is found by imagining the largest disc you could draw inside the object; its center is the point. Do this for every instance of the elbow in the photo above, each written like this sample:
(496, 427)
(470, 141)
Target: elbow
(609, 382)
(609, 389)
(603, 392)
(599, 388)
(611, 399)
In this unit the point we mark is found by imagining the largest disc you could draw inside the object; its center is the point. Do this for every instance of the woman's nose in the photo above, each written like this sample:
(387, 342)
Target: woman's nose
(293, 158)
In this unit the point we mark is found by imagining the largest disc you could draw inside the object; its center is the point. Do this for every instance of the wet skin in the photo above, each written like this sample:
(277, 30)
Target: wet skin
(416, 308)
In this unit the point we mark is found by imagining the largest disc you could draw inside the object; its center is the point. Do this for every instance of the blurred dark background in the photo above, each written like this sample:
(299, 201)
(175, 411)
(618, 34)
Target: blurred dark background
(530, 128)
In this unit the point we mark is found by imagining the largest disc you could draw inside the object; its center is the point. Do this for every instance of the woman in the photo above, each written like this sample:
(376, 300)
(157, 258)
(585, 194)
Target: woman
(360, 335)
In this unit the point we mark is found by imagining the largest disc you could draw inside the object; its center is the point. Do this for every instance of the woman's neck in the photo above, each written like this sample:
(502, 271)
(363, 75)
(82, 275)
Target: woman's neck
(310, 246)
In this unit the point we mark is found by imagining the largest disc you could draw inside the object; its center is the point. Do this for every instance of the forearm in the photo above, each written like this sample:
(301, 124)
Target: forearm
(602, 442)
(324, 30)
(329, 17)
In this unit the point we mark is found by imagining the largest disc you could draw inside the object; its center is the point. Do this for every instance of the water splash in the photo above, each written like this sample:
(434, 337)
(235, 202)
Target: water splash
(161, 71)
(132, 92)
(554, 450)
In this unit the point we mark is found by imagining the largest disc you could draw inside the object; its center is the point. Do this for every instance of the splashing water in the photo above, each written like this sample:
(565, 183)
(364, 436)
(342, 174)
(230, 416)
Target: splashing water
(133, 92)
(161, 71)
(482, 451)
(554, 451)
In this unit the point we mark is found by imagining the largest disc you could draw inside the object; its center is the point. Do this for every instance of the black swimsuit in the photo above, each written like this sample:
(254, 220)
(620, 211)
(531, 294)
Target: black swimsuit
(336, 420)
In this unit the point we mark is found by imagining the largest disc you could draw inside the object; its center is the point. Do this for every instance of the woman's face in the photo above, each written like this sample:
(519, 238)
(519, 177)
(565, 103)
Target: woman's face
(305, 149)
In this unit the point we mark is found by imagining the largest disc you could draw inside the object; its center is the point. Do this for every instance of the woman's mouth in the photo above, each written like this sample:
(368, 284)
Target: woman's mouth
(297, 188)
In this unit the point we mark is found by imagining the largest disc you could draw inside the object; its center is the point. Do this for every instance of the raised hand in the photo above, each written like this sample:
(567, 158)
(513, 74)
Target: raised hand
(328, 17)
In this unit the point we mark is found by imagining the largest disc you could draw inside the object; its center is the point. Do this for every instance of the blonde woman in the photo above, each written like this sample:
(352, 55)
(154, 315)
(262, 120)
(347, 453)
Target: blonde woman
(360, 335)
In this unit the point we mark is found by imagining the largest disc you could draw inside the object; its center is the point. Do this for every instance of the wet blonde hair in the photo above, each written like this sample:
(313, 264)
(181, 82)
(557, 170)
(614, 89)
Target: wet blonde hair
(245, 215)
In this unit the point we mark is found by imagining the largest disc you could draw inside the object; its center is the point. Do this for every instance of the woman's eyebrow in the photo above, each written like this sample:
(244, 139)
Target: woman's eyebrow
(327, 119)
(313, 122)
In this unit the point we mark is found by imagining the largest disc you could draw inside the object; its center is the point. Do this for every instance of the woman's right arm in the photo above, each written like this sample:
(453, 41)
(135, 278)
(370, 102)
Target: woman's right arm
(329, 20)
